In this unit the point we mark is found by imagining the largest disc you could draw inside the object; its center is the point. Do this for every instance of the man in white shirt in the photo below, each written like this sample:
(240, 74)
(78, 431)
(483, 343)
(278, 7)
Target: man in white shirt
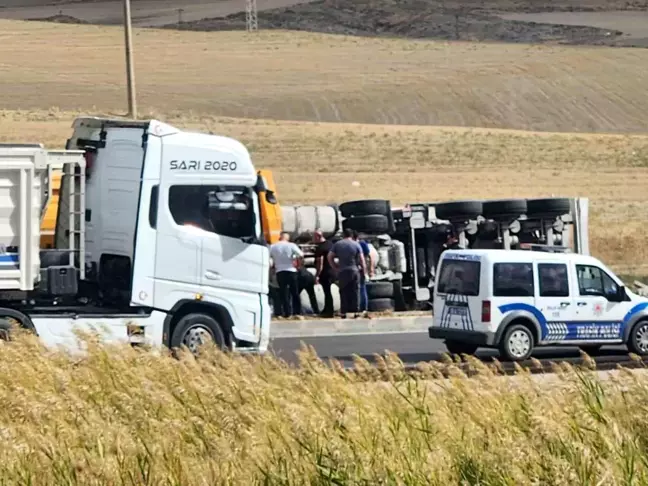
(285, 260)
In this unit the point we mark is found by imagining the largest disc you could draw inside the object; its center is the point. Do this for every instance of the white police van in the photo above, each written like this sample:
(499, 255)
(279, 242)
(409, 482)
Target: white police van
(515, 300)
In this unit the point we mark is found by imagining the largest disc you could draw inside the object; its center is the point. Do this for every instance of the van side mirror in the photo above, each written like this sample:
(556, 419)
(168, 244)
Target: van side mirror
(619, 296)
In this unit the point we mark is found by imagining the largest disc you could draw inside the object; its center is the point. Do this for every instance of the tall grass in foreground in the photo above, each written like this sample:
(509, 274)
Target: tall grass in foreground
(122, 416)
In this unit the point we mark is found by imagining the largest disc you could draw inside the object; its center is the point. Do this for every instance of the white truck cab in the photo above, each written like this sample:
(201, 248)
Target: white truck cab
(515, 300)
(165, 229)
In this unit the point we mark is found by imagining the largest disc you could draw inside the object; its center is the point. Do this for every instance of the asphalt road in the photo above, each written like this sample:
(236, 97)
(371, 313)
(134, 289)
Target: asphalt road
(411, 348)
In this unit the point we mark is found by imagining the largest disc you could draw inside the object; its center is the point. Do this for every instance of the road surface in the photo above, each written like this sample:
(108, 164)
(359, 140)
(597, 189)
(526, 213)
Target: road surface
(411, 348)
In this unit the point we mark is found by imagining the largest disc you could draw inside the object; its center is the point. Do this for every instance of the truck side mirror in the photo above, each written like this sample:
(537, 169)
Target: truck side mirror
(270, 197)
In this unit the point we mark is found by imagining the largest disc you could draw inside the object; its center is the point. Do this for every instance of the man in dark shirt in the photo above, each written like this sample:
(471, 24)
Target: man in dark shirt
(324, 275)
(349, 254)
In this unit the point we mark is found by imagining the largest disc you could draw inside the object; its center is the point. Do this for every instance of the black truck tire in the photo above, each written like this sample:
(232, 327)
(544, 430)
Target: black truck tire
(380, 290)
(505, 208)
(555, 206)
(365, 207)
(380, 305)
(195, 326)
(372, 224)
(458, 210)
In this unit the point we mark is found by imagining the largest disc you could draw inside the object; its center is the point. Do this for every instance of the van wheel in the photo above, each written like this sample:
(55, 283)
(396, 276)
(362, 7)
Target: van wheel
(196, 329)
(517, 343)
(457, 347)
(638, 342)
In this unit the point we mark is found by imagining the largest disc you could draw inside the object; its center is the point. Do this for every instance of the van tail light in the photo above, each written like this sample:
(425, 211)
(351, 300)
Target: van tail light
(486, 311)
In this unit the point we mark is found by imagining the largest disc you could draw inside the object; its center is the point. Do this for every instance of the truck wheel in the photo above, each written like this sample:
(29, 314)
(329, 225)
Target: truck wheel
(505, 208)
(380, 305)
(380, 290)
(517, 343)
(638, 341)
(365, 207)
(196, 329)
(373, 224)
(457, 347)
(551, 206)
(458, 210)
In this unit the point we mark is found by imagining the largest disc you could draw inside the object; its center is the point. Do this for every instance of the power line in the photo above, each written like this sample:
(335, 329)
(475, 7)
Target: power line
(251, 22)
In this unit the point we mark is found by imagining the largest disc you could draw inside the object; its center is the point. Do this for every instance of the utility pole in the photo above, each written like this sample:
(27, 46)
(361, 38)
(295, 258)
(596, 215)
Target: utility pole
(130, 75)
(251, 22)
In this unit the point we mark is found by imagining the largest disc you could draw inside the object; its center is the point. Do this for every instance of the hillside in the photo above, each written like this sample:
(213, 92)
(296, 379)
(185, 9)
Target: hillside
(317, 163)
(302, 76)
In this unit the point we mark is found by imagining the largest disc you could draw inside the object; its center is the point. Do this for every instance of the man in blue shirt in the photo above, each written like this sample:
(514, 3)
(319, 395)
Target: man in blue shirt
(366, 253)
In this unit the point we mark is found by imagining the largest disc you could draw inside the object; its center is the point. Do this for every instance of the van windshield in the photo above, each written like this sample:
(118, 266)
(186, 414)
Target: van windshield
(459, 277)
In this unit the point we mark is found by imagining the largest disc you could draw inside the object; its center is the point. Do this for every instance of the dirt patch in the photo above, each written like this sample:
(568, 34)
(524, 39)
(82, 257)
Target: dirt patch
(469, 21)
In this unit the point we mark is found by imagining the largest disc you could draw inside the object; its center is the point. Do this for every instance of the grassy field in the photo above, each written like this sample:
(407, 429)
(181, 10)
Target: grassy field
(126, 417)
(317, 163)
(302, 76)
(204, 77)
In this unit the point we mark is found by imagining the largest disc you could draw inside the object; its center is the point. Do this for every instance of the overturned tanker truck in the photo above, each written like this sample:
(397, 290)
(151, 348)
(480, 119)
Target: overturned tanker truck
(410, 239)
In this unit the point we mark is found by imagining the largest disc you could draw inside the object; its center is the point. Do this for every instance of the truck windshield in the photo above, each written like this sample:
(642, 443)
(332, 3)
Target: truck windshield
(459, 277)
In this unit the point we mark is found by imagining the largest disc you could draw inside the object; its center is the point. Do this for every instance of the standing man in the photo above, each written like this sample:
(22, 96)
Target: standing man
(285, 260)
(348, 253)
(324, 272)
(366, 253)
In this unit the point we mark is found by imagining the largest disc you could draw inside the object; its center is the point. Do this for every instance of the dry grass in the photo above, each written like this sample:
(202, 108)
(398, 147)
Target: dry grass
(315, 163)
(302, 76)
(126, 417)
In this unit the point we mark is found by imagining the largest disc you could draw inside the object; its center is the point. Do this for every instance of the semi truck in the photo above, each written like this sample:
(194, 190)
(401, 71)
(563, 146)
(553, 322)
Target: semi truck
(158, 238)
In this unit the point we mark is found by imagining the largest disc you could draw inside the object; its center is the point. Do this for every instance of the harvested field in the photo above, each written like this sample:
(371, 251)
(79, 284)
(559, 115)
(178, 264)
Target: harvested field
(317, 162)
(301, 76)
(122, 416)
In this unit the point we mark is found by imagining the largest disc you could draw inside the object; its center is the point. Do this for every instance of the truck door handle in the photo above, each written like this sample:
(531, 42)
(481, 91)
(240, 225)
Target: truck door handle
(581, 304)
(564, 304)
(212, 275)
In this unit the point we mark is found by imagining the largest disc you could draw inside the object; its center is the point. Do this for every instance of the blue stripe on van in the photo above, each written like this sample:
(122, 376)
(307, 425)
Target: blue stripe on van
(572, 328)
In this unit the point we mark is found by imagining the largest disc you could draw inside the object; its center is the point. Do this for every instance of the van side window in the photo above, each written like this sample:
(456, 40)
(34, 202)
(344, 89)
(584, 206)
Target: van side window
(224, 210)
(594, 281)
(553, 280)
(459, 277)
(513, 280)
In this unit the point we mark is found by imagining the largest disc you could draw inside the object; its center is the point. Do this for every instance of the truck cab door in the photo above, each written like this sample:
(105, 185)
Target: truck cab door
(234, 255)
(178, 242)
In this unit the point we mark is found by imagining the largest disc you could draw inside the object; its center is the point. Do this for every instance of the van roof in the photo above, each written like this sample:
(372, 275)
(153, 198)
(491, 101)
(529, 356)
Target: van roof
(520, 256)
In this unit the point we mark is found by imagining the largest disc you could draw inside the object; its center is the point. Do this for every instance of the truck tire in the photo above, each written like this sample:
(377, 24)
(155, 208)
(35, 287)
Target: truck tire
(458, 347)
(458, 210)
(550, 206)
(365, 207)
(517, 343)
(10, 318)
(380, 290)
(638, 339)
(380, 305)
(504, 208)
(372, 224)
(194, 329)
